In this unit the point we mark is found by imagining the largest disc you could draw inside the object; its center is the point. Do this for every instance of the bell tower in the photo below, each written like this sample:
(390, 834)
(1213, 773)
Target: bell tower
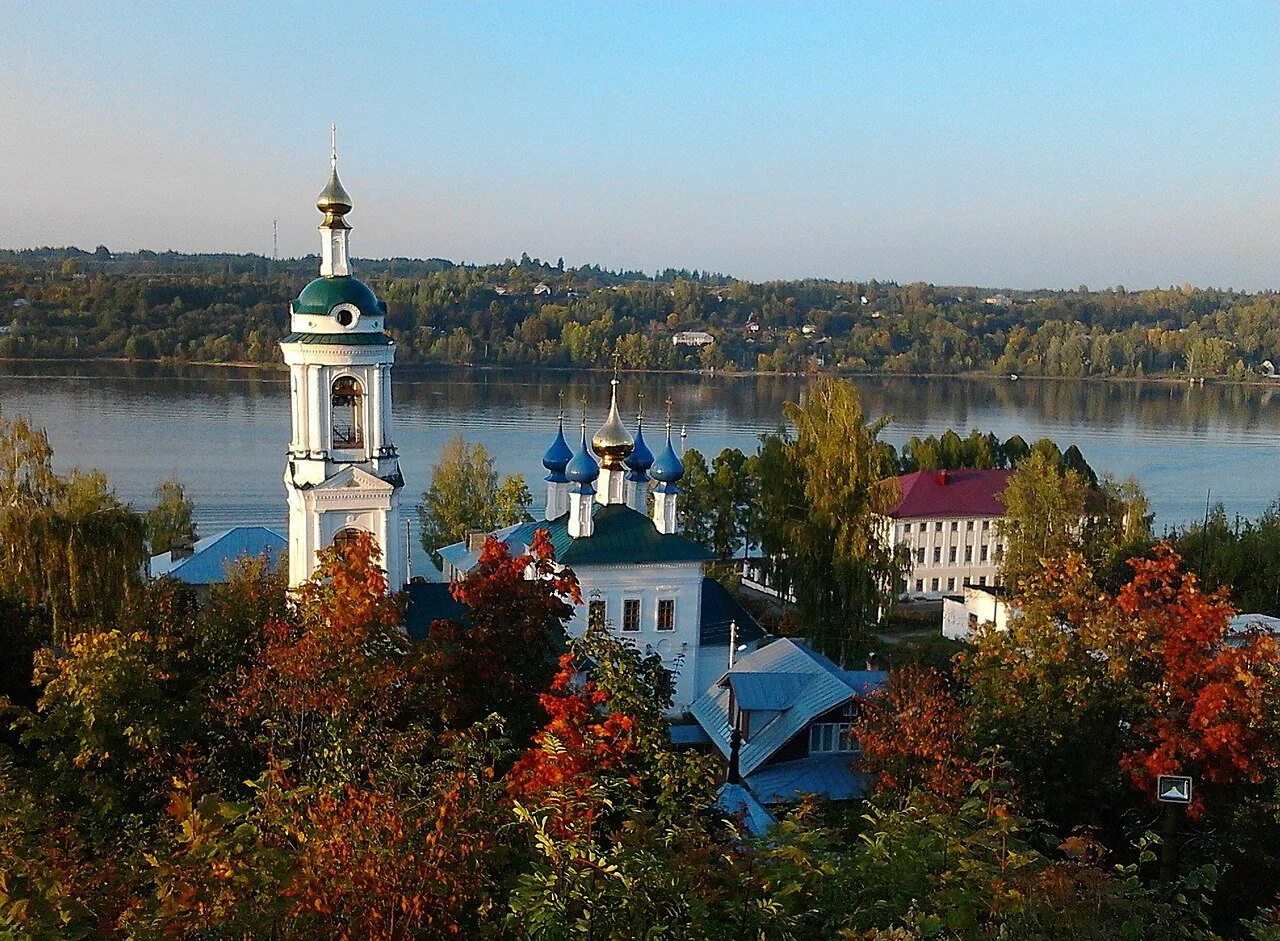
(342, 472)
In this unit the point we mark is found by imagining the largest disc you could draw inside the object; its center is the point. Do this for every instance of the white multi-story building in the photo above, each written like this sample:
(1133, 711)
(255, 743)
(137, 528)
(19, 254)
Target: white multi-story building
(949, 523)
(342, 474)
(637, 573)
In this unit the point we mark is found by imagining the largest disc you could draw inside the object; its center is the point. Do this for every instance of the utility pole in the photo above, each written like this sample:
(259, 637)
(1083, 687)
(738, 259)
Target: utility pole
(408, 553)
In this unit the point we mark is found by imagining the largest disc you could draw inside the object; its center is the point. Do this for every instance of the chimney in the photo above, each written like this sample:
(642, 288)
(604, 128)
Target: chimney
(181, 547)
(734, 776)
(873, 660)
(943, 477)
(475, 539)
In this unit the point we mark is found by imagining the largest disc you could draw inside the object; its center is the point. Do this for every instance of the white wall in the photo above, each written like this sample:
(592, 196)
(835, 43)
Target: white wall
(960, 615)
(938, 538)
(650, 583)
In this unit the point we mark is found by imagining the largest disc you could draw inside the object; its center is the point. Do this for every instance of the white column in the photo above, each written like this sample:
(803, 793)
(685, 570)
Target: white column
(557, 499)
(581, 525)
(316, 410)
(373, 411)
(385, 405)
(297, 393)
(664, 509)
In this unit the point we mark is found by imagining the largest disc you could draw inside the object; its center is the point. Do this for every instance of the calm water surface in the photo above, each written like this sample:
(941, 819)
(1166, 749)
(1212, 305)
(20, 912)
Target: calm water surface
(224, 431)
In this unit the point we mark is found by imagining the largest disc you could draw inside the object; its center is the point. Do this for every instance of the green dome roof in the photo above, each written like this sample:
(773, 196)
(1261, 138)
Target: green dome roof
(324, 294)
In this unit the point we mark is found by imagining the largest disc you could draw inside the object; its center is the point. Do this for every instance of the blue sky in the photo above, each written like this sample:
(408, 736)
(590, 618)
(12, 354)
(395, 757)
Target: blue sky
(1016, 144)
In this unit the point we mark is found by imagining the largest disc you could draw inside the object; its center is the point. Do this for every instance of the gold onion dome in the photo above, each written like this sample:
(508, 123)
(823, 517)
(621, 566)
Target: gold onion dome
(613, 442)
(333, 200)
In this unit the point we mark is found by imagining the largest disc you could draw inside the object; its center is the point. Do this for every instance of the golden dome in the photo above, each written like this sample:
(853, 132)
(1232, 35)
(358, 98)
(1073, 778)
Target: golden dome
(333, 200)
(613, 442)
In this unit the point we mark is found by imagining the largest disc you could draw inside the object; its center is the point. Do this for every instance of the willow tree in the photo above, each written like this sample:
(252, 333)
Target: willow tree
(69, 549)
(825, 492)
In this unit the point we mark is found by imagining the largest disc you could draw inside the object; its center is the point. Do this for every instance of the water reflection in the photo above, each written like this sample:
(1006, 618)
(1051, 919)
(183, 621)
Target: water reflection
(223, 431)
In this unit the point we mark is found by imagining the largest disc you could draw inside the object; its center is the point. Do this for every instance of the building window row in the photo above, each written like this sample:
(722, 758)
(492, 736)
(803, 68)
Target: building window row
(935, 584)
(984, 554)
(830, 737)
(598, 613)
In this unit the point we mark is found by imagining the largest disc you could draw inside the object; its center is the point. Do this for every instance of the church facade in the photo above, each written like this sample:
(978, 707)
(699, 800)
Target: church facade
(637, 573)
(342, 473)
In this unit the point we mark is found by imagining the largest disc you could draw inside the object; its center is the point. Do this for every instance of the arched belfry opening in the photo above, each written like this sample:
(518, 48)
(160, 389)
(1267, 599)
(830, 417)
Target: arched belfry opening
(347, 415)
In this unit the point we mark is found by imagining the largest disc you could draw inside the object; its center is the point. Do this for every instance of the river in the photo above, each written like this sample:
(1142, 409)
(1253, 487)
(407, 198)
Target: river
(223, 431)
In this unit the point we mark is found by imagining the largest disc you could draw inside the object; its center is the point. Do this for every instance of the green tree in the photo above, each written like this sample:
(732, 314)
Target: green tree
(464, 495)
(1044, 517)
(172, 517)
(823, 495)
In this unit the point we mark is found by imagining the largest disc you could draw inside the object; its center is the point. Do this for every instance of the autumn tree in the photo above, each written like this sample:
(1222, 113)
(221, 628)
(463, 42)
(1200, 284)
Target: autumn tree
(330, 679)
(609, 807)
(171, 517)
(1044, 518)
(507, 650)
(1045, 690)
(69, 547)
(914, 735)
(823, 494)
(465, 494)
(1208, 706)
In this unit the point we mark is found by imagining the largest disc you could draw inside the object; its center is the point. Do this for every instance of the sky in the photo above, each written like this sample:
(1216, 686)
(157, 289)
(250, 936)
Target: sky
(1016, 145)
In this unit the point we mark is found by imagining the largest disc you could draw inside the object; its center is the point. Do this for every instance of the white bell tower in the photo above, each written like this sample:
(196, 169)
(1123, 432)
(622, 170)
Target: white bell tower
(342, 474)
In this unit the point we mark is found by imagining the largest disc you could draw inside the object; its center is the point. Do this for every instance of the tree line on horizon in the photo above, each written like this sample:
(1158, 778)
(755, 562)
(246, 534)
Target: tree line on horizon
(232, 308)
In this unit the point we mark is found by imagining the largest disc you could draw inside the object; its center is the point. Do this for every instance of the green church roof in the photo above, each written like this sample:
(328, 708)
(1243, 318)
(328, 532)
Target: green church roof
(324, 294)
(340, 339)
(621, 536)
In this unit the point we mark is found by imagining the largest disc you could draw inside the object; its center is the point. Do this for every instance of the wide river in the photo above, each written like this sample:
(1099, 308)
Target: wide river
(223, 432)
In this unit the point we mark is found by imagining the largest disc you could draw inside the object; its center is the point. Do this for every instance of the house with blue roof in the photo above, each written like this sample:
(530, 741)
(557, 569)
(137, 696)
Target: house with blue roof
(638, 573)
(207, 561)
(791, 711)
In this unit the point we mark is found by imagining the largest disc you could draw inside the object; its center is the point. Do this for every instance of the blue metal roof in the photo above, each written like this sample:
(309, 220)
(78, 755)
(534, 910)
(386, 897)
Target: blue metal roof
(771, 692)
(828, 687)
(688, 735)
(734, 800)
(830, 776)
(214, 555)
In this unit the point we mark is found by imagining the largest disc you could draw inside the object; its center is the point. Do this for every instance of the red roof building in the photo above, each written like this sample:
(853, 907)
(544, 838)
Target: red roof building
(951, 493)
(948, 521)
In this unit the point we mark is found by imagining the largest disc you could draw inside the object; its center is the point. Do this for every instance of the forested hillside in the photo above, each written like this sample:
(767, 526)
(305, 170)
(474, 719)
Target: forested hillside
(71, 303)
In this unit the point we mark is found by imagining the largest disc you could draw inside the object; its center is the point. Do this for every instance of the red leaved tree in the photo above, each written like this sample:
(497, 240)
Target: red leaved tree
(564, 773)
(330, 677)
(517, 606)
(1207, 694)
(914, 734)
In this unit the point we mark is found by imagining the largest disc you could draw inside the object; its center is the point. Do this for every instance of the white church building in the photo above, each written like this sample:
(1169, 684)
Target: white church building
(342, 472)
(342, 477)
(637, 572)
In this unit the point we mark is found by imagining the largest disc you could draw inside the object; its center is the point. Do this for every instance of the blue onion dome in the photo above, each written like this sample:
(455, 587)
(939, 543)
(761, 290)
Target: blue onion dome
(641, 458)
(558, 456)
(668, 468)
(583, 469)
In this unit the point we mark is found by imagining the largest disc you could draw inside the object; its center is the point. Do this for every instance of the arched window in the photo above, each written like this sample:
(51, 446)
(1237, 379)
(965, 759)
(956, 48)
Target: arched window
(344, 538)
(347, 413)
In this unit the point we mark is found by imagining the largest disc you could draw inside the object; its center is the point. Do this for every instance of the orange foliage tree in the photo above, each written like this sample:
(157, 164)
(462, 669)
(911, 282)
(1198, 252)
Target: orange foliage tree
(1208, 695)
(329, 679)
(914, 734)
(517, 606)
